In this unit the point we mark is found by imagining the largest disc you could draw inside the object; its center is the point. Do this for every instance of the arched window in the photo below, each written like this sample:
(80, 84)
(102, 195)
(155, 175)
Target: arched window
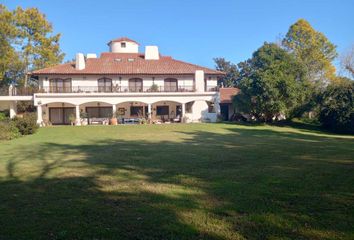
(59, 85)
(171, 85)
(135, 85)
(104, 84)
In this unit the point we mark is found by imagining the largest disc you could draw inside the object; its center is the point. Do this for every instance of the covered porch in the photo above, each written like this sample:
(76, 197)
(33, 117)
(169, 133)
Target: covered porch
(64, 113)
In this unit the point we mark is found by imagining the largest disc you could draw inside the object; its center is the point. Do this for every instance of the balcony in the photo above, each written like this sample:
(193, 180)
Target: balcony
(29, 91)
(115, 89)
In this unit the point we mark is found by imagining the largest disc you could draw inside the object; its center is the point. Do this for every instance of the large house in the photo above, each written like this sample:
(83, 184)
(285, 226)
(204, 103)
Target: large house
(124, 82)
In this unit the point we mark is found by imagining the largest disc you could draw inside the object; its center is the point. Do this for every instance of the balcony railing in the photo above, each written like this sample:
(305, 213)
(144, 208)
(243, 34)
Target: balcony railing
(28, 91)
(116, 89)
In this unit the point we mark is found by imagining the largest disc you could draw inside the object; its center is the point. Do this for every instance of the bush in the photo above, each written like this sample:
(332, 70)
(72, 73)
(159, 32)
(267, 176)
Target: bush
(337, 108)
(3, 116)
(8, 130)
(27, 124)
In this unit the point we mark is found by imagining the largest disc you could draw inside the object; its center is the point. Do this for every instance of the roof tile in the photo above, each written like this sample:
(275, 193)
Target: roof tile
(118, 63)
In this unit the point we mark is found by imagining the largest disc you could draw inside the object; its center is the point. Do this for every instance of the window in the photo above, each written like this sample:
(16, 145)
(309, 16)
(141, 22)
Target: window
(162, 110)
(99, 112)
(171, 85)
(135, 85)
(104, 84)
(189, 106)
(58, 85)
(60, 115)
(123, 44)
(136, 111)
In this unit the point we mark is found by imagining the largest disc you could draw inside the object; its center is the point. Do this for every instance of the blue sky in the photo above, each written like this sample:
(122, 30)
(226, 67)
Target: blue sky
(194, 31)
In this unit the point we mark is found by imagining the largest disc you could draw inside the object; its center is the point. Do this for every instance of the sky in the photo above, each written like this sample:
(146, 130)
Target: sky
(195, 31)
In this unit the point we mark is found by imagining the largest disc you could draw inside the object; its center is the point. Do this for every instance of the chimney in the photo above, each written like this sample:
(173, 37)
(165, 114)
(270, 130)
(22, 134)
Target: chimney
(80, 61)
(152, 53)
(199, 81)
(91, 55)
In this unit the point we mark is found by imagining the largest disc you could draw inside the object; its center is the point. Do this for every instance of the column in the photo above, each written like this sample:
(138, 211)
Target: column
(149, 111)
(13, 109)
(114, 110)
(77, 115)
(39, 115)
(183, 112)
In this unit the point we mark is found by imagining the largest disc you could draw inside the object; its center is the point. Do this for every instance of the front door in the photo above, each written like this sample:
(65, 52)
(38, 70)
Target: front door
(224, 111)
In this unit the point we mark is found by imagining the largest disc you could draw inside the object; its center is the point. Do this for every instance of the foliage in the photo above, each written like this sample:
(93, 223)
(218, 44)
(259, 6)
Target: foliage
(337, 107)
(154, 88)
(27, 43)
(27, 124)
(4, 115)
(347, 61)
(231, 71)
(25, 106)
(8, 130)
(313, 50)
(10, 59)
(272, 82)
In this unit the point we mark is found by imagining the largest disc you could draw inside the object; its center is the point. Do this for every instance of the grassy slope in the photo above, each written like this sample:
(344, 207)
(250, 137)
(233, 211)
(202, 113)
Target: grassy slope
(196, 181)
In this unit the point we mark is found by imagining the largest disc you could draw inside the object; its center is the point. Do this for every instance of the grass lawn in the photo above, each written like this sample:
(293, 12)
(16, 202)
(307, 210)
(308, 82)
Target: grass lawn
(183, 181)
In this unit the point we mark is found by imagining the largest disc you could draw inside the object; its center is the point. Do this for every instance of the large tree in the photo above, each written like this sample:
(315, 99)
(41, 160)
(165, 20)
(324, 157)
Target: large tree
(27, 41)
(9, 60)
(314, 50)
(347, 61)
(231, 72)
(337, 107)
(272, 82)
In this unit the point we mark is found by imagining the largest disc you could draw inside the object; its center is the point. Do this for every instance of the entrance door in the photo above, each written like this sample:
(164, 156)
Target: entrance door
(224, 111)
(60, 116)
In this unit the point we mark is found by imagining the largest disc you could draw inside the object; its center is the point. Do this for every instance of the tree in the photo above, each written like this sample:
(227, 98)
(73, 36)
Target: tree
(9, 61)
(27, 43)
(272, 82)
(39, 47)
(231, 70)
(347, 61)
(313, 50)
(337, 107)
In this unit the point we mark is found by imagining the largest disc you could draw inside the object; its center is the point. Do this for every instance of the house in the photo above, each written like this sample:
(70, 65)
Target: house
(125, 82)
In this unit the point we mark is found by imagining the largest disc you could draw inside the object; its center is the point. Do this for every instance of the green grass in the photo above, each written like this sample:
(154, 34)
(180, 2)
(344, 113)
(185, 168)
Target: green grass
(194, 181)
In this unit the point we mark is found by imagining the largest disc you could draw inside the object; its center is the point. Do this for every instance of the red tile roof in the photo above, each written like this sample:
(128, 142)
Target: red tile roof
(123, 39)
(127, 64)
(226, 94)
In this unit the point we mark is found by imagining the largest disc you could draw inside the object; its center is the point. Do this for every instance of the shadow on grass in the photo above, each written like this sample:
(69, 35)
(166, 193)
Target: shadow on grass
(243, 183)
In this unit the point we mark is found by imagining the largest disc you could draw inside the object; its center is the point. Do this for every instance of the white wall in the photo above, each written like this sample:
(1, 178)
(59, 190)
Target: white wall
(131, 47)
(91, 80)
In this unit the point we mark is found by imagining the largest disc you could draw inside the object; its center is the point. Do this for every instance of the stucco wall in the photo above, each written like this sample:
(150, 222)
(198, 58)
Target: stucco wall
(123, 81)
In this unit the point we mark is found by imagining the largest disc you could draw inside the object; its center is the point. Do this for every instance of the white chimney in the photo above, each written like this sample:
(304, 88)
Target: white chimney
(199, 81)
(152, 53)
(91, 55)
(80, 61)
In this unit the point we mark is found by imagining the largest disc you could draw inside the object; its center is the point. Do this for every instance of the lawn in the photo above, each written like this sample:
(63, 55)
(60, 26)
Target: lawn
(183, 181)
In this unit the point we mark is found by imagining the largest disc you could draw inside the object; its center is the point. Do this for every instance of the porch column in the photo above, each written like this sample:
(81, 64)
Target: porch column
(183, 109)
(114, 110)
(77, 115)
(149, 110)
(39, 115)
(13, 109)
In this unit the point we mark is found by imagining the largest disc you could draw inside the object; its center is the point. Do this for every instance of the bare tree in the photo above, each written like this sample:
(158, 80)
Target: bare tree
(347, 61)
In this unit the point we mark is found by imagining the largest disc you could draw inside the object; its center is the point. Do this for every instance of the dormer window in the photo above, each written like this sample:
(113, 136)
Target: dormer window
(123, 44)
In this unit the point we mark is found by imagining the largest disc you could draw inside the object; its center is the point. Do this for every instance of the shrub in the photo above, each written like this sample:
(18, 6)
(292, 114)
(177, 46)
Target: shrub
(27, 124)
(337, 108)
(8, 130)
(3, 116)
